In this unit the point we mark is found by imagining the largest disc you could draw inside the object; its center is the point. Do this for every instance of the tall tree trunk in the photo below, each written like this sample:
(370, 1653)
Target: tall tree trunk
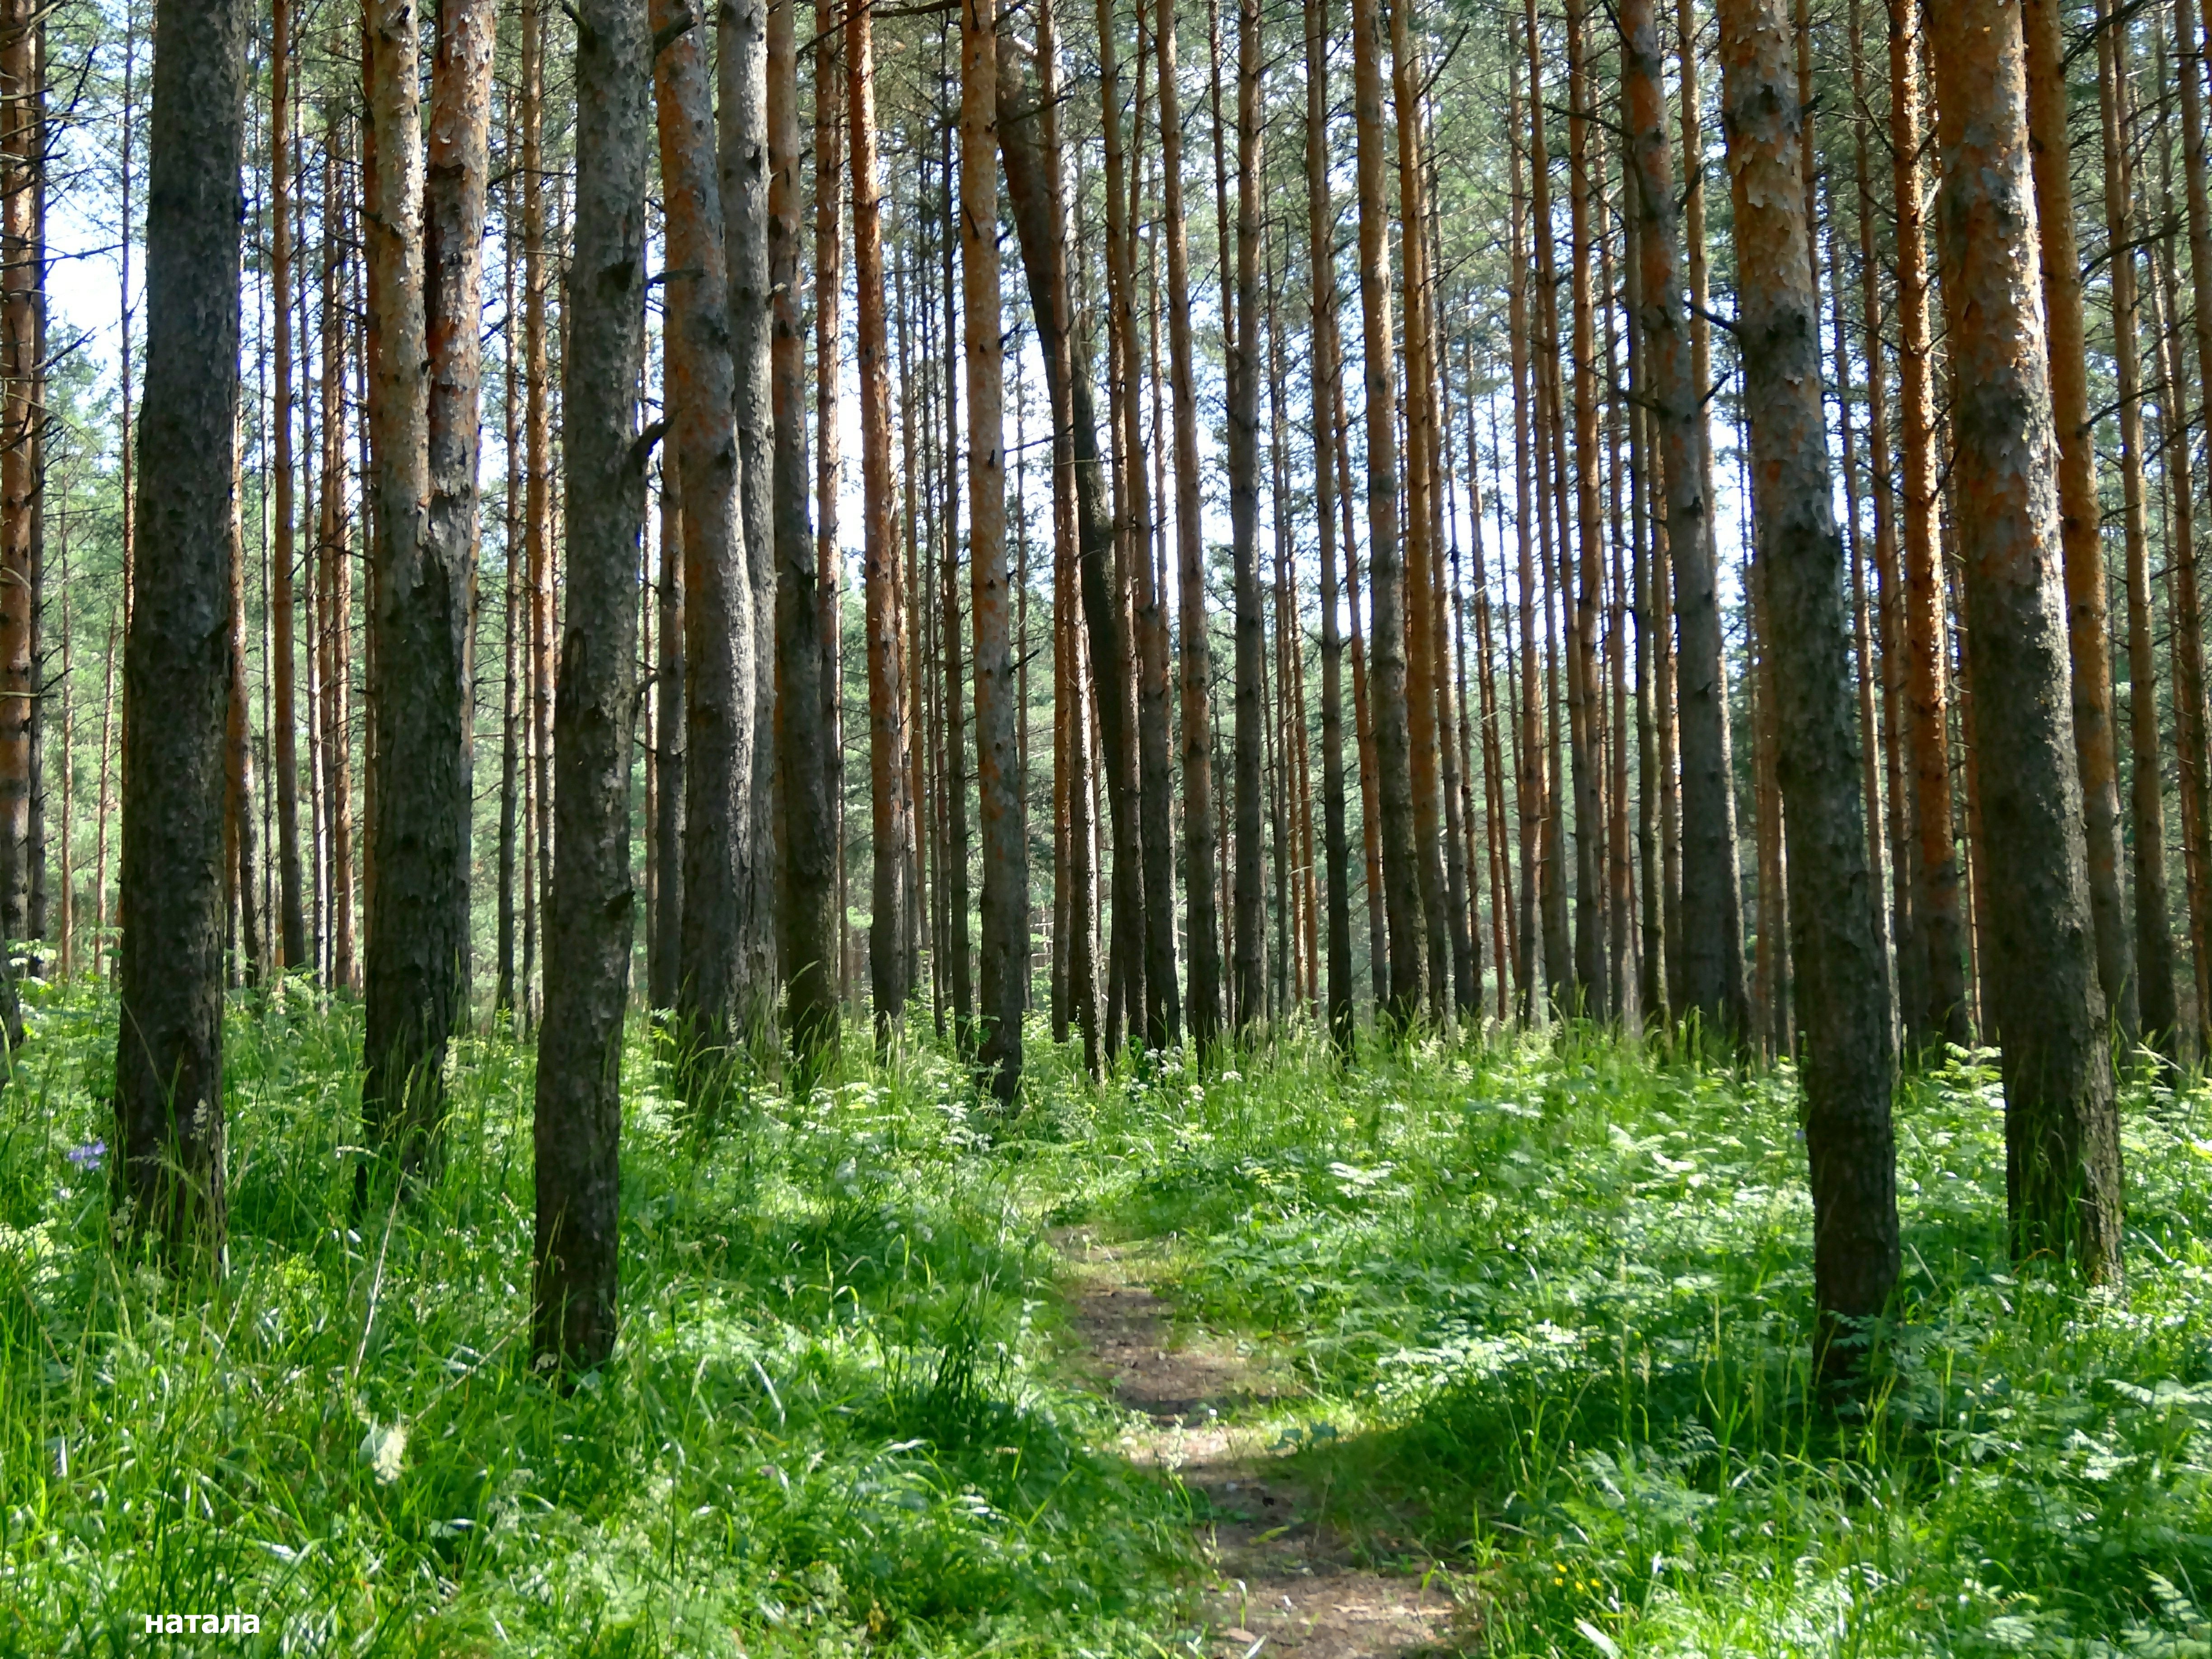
(283, 739)
(1244, 524)
(1393, 740)
(427, 250)
(1844, 1006)
(1003, 979)
(512, 747)
(1870, 745)
(335, 607)
(537, 534)
(828, 282)
(1580, 593)
(741, 73)
(2185, 638)
(665, 957)
(954, 771)
(2078, 515)
(2190, 718)
(1645, 586)
(1911, 953)
(168, 1067)
(1530, 777)
(808, 880)
(1711, 916)
(239, 862)
(2154, 958)
(717, 589)
(588, 921)
(1027, 136)
(1936, 902)
(1199, 830)
(889, 952)
(1321, 227)
(2062, 1126)
(19, 165)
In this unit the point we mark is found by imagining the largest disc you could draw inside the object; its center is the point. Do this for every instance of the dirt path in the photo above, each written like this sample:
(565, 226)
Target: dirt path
(1281, 1578)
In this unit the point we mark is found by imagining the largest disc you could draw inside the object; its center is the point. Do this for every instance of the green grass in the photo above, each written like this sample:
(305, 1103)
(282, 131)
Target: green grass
(1544, 1303)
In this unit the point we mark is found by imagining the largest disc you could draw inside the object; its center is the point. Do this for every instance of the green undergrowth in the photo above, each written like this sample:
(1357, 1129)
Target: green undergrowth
(1548, 1303)
(825, 1429)
(1536, 1308)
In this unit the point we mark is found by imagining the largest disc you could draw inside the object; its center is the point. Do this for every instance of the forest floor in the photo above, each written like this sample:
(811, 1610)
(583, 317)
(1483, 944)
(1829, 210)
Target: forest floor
(1275, 1571)
(1492, 1348)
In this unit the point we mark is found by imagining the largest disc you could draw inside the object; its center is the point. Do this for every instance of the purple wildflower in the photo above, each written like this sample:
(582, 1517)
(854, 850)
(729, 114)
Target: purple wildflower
(89, 1157)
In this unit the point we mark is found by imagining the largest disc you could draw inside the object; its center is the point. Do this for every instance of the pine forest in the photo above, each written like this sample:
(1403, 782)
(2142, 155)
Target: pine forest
(1350, 828)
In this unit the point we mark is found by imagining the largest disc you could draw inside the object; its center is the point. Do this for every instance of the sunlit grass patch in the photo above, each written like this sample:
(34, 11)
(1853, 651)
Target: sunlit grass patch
(822, 1430)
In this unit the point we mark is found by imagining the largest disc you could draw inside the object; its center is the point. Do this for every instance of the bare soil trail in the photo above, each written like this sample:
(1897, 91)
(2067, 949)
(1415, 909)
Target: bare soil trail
(1281, 1578)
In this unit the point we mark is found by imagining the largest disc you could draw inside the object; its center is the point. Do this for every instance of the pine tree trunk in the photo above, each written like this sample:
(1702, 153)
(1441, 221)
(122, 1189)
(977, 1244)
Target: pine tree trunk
(426, 252)
(2190, 718)
(828, 280)
(665, 957)
(2188, 678)
(537, 533)
(1029, 143)
(335, 607)
(239, 862)
(588, 921)
(1869, 748)
(1003, 978)
(741, 74)
(1942, 1018)
(2062, 1126)
(283, 739)
(2154, 942)
(1244, 413)
(1847, 1055)
(19, 483)
(1711, 947)
(513, 749)
(1199, 830)
(2080, 518)
(951, 708)
(168, 1067)
(711, 991)
(892, 821)
(1547, 429)
(1911, 953)
(1387, 587)
(1530, 786)
(1320, 226)
(808, 880)
(1581, 593)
